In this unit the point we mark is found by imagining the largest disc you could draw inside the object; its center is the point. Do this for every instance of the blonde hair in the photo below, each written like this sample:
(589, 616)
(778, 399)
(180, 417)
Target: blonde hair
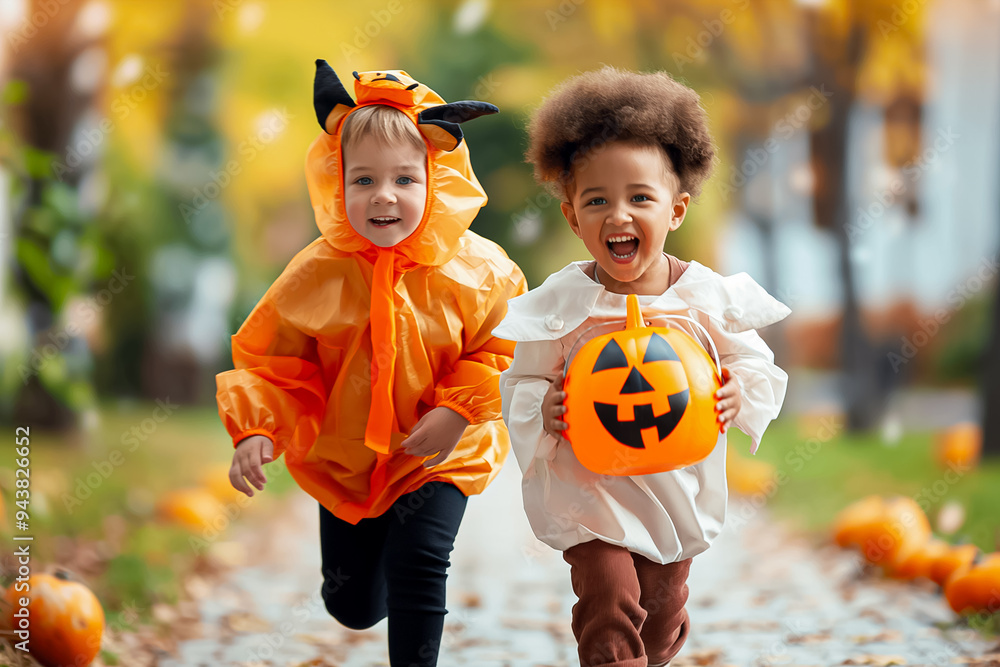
(382, 122)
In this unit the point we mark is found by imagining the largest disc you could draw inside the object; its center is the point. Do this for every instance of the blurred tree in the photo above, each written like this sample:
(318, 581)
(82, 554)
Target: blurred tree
(60, 255)
(495, 142)
(191, 277)
(849, 40)
(990, 383)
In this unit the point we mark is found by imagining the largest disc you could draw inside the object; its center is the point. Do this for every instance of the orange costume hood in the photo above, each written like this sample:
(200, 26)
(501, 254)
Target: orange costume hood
(353, 343)
(454, 197)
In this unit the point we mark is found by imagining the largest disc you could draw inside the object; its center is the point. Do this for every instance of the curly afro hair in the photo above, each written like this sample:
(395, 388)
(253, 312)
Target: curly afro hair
(609, 104)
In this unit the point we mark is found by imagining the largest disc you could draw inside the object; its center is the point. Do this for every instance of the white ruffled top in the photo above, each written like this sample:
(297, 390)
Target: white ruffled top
(668, 516)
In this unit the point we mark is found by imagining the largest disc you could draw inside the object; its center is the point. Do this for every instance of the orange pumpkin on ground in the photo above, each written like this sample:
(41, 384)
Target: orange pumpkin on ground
(215, 480)
(886, 531)
(66, 620)
(195, 509)
(852, 523)
(748, 476)
(975, 588)
(959, 446)
(957, 557)
(641, 400)
(901, 530)
(918, 564)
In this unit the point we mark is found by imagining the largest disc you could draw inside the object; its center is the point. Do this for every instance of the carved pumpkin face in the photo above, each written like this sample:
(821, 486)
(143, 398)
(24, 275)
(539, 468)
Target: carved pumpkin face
(641, 400)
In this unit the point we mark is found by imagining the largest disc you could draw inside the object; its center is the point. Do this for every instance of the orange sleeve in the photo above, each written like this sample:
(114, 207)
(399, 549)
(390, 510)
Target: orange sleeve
(472, 388)
(276, 388)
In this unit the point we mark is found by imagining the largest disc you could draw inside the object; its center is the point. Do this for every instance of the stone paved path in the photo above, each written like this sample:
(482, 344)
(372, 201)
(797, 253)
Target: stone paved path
(759, 596)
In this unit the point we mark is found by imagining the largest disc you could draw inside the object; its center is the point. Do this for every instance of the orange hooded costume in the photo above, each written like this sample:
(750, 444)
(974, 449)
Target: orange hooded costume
(305, 373)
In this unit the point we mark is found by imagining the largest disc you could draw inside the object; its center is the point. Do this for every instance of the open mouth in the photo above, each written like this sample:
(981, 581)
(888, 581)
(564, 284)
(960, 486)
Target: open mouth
(622, 246)
(383, 220)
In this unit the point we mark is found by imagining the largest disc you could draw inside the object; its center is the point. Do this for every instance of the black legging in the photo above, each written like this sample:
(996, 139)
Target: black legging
(394, 565)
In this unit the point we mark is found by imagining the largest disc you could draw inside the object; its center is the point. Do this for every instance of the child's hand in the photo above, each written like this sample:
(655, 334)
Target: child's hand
(251, 453)
(728, 399)
(437, 431)
(553, 409)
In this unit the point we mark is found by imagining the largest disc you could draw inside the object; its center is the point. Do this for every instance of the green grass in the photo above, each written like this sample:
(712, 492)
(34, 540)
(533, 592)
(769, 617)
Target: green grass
(99, 491)
(816, 476)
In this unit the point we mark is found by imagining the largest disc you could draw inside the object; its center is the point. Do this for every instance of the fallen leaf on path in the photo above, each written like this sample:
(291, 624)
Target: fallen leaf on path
(242, 621)
(741, 626)
(318, 640)
(877, 660)
(710, 656)
(886, 636)
(814, 638)
(470, 600)
(197, 587)
(874, 614)
(988, 660)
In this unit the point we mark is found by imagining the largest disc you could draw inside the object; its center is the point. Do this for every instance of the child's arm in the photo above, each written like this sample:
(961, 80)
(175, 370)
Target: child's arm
(276, 390)
(470, 389)
(537, 367)
(762, 383)
(248, 460)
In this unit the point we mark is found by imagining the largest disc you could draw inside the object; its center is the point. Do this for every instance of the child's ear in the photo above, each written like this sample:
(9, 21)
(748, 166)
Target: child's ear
(570, 213)
(678, 211)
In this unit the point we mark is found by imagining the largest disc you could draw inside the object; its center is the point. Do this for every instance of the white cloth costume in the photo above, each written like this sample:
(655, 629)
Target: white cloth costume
(668, 516)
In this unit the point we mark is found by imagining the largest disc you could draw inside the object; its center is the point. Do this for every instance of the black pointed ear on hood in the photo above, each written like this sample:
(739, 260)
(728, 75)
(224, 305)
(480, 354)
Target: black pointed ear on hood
(440, 124)
(329, 97)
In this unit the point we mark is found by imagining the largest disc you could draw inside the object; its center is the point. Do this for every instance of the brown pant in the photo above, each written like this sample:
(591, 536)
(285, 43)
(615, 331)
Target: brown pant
(630, 609)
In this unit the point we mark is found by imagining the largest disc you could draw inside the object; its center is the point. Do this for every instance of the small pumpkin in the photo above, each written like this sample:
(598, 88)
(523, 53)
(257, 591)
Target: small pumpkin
(851, 525)
(902, 529)
(195, 509)
(747, 476)
(66, 619)
(955, 558)
(918, 564)
(959, 446)
(886, 531)
(641, 400)
(215, 480)
(975, 588)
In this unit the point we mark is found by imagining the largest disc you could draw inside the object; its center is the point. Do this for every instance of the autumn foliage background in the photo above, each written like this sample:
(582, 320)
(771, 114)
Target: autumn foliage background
(151, 188)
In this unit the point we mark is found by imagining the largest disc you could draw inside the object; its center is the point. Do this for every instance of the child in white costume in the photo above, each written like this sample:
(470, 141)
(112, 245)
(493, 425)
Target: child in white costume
(665, 517)
(628, 539)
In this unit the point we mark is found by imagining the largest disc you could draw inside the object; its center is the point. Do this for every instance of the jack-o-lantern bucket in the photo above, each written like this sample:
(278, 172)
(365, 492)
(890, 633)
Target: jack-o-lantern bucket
(641, 400)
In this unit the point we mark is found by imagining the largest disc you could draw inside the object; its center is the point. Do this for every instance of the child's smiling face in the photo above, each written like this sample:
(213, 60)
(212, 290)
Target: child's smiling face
(385, 189)
(622, 204)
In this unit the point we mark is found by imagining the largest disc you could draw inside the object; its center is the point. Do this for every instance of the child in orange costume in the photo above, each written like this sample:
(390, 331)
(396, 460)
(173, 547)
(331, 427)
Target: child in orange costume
(370, 361)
